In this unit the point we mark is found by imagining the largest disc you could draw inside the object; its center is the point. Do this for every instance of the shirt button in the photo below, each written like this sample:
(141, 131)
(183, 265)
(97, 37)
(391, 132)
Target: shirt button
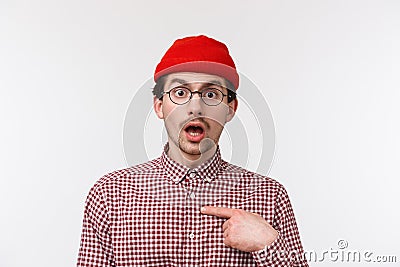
(192, 174)
(192, 195)
(191, 235)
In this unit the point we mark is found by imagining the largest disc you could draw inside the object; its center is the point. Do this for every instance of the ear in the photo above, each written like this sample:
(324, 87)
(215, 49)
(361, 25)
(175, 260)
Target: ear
(157, 105)
(232, 109)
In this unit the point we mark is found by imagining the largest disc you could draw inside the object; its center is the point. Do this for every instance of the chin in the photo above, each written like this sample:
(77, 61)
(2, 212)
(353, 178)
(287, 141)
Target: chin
(190, 148)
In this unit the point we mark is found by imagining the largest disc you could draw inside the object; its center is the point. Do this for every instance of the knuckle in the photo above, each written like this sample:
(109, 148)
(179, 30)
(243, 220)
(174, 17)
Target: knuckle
(226, 241)
(239, 213)
(233, 242)
(236, 211)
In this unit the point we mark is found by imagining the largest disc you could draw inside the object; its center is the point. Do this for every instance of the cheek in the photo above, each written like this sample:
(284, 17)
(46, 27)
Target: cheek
(166, 108)
(215, 128)
(173, 116)
(170, 111)
(218, 116)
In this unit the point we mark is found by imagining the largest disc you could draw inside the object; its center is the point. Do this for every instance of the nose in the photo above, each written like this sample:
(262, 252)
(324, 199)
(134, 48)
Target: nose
(195, 105)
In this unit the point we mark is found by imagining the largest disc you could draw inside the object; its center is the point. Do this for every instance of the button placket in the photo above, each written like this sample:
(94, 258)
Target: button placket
(190, 183)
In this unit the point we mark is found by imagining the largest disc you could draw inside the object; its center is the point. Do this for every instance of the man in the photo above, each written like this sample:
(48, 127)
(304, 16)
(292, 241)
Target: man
(189, 207)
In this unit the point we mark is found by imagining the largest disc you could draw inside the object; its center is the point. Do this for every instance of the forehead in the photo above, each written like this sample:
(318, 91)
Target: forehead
(194, 77)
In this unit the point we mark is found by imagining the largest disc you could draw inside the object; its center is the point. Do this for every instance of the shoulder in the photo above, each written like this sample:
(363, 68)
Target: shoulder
(264, 183)
(126, 176)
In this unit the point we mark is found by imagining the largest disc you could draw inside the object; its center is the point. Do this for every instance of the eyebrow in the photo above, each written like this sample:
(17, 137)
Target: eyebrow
(184, 82)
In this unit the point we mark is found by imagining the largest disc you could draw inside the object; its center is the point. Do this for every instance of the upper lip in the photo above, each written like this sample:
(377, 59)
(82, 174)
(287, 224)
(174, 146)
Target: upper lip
(194, 124)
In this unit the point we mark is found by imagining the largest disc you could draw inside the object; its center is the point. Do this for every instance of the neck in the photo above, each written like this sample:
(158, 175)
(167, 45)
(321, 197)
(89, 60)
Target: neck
(189, 160)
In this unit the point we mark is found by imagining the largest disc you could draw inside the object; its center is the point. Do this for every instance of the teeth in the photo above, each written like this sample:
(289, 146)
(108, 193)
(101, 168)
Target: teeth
(194, 134)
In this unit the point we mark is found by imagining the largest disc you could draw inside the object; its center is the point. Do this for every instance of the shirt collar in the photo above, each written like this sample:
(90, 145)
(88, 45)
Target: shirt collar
(176, 172)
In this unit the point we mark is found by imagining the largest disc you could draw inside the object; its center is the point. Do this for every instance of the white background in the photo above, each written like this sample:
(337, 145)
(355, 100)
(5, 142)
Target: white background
(329, 70)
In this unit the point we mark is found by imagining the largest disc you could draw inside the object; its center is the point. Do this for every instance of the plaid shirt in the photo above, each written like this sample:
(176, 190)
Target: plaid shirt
(149, 215)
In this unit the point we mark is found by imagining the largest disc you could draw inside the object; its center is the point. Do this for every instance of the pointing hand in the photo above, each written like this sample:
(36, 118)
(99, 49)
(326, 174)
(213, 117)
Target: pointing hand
(243, 230)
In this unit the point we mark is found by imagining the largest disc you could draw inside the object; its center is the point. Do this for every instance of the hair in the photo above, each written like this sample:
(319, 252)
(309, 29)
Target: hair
(158, 89)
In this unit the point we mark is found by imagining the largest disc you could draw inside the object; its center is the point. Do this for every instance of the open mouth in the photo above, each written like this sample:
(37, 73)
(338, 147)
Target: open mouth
(195, 131)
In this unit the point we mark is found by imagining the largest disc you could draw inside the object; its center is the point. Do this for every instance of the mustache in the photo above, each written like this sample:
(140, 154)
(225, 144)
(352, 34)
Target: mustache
(198, 119)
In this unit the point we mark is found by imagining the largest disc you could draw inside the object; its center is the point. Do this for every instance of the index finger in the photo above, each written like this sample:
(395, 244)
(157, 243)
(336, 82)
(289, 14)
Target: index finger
(218, 211)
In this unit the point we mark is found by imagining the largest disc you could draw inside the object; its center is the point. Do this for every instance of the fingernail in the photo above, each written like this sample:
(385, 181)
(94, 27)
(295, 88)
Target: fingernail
(203, 209)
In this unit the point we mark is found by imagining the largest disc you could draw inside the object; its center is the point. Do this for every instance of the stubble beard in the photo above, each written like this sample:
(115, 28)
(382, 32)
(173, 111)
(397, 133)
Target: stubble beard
(188, 147)
(194, 148)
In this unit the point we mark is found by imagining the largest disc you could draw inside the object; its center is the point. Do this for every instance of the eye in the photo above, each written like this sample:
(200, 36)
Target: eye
(211, 93)
(180, 92)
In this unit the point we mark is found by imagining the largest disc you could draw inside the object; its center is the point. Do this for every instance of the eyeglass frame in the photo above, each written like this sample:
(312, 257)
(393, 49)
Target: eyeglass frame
(191, 95)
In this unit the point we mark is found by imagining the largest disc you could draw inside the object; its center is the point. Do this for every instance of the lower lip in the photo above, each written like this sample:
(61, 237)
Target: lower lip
(196, 138)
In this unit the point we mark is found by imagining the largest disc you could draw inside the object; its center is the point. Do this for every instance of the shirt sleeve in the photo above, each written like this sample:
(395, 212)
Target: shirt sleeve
(287, 249)
(95, 247)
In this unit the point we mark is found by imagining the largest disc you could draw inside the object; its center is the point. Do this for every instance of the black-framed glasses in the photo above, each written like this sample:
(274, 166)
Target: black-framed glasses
(181, 95)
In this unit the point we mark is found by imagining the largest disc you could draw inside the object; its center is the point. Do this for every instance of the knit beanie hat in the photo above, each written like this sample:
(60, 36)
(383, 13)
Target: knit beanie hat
(198, 54)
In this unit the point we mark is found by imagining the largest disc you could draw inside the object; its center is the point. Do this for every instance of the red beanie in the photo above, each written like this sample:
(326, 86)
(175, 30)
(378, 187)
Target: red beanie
(198, 54)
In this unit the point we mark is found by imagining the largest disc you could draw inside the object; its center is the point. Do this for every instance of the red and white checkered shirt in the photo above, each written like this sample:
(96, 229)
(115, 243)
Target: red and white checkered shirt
(149, 215)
